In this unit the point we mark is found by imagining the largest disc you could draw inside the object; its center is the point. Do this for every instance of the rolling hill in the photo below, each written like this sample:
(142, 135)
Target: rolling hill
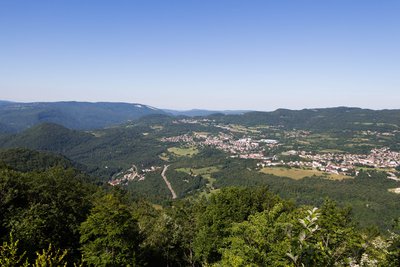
(46, 136)
(204, 112)
(15, 117)
(339, 118)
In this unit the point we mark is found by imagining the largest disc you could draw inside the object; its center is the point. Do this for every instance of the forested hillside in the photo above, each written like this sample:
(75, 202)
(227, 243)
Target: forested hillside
(51, 215)
(340, 118)
(198, 154)
(15, 117)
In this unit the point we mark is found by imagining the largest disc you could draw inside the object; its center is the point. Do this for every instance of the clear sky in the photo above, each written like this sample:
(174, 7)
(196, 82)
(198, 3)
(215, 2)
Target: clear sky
(213, 54)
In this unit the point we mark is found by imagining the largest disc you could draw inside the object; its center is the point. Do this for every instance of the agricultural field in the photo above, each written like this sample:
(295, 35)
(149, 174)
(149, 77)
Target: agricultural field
(183, 151)
(298, 174)
(205, 172)
(157, 127)
(164, 157)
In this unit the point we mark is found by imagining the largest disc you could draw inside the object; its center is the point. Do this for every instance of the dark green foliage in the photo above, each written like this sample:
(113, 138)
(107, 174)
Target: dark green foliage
(55, 218)
(48, 136)
(10, 255)
(153, 188)
(183, 183)
(113, 149)
(25, 160)
(222, 209)
(296, 237)
(110, 235)
(43, 208)
(393, 257)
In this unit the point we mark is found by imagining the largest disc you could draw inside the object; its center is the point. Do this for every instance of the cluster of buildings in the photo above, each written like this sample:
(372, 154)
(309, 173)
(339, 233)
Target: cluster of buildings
(192, 121)
(297, 133)
(242, 148)
(185, 138)
(253, 148)
(382, 158)
(379, 134)
(335, 163)
(131, 174)
(341, 163)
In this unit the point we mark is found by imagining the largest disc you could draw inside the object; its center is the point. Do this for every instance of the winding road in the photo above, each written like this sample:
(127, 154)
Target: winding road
(167, 182)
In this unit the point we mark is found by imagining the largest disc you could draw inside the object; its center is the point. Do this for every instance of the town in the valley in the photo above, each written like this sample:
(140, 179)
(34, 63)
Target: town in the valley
(250, 147)
(251, 143)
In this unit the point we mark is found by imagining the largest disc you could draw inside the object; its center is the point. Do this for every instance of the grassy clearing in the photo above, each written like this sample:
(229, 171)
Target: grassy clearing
(301, 142)
(363, 123)
(238, 128)
(331, 151)
(298, 174)
(242, 129)
(157, 127)
(164, 157)
(202, 133)
(394, 190)
(205, 172)
(387, 124)
(97, 134)
(360, 140)
(263, 126)
(359, 145)
(201, 171)
(183, 151)
(157, 207)
(316, 138)
(374, 169)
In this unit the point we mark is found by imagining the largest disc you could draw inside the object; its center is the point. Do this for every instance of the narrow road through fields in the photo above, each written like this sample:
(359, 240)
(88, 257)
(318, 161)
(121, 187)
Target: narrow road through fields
(167, 182)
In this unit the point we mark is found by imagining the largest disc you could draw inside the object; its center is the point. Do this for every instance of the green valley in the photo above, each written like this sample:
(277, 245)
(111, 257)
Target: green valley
(184, 166)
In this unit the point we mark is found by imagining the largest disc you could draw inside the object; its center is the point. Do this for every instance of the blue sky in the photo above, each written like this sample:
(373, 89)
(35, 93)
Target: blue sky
(211, 54)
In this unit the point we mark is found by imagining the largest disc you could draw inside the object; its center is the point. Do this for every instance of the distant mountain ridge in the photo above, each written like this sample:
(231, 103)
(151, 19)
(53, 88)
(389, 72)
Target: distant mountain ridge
(204, 112)
(337, 118)
(15, 117)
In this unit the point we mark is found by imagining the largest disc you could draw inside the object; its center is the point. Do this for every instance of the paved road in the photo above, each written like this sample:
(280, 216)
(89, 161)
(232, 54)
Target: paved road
(167, 182)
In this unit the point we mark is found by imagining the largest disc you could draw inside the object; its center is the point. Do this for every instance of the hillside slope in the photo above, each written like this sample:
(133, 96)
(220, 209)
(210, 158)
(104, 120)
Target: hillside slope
(15, 117)
(46, 136)
(340, 118)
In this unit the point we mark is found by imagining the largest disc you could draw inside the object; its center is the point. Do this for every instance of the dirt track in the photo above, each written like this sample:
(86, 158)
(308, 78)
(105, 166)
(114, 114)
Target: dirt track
(167, 182)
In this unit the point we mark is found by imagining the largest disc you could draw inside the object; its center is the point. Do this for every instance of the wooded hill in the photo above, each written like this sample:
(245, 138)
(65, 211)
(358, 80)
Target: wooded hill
(51, 215)
(15, 117)
(339, 118)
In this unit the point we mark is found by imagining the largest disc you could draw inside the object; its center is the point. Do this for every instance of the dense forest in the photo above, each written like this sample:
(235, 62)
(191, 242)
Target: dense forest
(15, 117)
(53, 214)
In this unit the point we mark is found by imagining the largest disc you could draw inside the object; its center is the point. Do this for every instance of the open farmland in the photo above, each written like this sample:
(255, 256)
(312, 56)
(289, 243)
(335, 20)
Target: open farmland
(296, 174)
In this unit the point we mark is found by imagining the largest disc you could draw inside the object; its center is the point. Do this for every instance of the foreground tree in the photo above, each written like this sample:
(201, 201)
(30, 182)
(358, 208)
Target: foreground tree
(215, 218)
(11, 255)
(110, 235)
(301, 237)
(43, 208)
(393, 250)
